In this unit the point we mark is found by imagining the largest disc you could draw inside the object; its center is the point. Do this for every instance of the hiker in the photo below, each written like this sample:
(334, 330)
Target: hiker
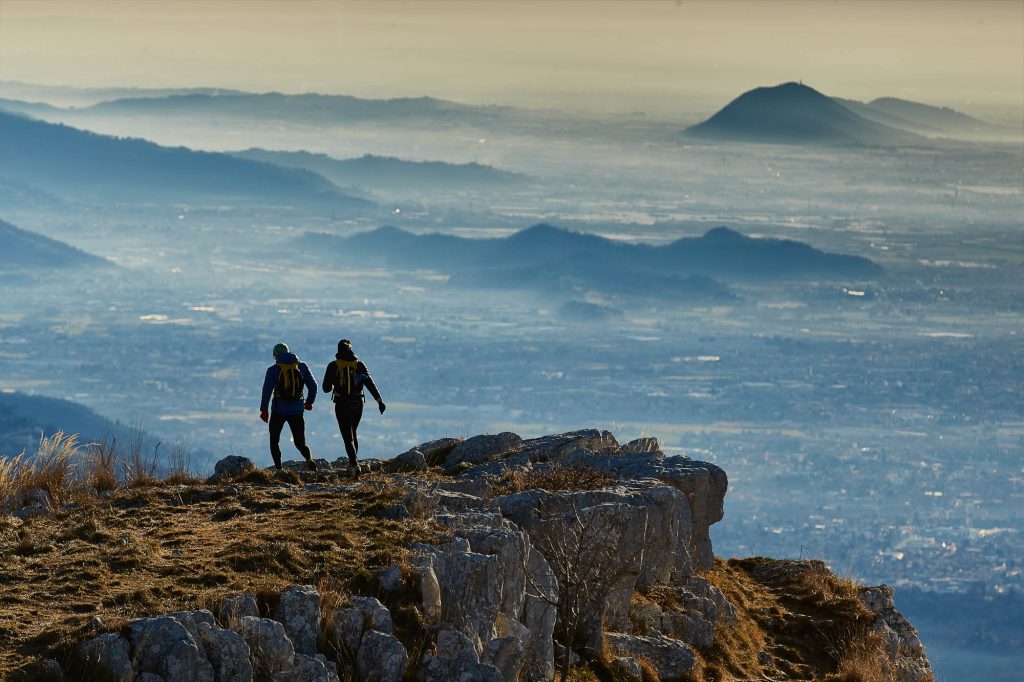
(345, 377)
(285, 379)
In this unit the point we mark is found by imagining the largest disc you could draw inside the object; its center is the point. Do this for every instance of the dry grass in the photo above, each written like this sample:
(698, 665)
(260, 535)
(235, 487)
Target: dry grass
(553, 477)
(152, 549)
(796, 620)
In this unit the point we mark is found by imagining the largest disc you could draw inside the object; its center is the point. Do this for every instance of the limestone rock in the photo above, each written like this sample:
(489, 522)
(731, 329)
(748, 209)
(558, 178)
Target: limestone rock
(382, 658)
(411, 460)
(505, 654)
(107, 656)
(232, 466)
(645, 444)
(231, 609)
(227, 652)
(539, 617)
(299, 611)
(554, 446)
(435, 451)
(902, 643)
(268, 643)
(673, 660)
(391, 579)
(457, 659)
(482, 449)
(163, 646)
(306, 669)
(626, 669)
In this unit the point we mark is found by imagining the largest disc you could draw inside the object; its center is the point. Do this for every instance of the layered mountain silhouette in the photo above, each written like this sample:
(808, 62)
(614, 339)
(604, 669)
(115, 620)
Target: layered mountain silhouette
(75, 164)
(926, 118)
(29, 250)
(24, 418)
(310, 109)
(793, 113)
(382, 173)
(548, 258)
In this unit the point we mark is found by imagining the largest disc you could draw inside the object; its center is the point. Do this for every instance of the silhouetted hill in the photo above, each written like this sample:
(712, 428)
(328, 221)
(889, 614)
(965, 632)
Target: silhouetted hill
(927, 117)
(24, 418)
(312, 109)
(551, 259)
(66, 95)
(82, 165)
(23, 249)
(391, 174)
(793, 113)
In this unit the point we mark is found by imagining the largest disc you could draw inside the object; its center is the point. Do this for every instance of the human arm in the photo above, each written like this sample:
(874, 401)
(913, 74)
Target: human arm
(367, 380)
(307, 378)
(268, 387)
(329, 374)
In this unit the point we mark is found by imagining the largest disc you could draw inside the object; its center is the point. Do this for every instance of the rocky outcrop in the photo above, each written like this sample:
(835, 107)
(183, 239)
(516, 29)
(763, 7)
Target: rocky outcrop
(899, 637)
(610, 567)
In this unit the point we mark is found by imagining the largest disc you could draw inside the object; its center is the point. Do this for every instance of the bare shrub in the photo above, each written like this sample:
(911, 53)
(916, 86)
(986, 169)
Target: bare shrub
(553, 477)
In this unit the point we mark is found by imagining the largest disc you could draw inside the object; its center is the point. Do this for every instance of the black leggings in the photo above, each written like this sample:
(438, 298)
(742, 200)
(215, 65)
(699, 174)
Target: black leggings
(349, 411)
(298, 427)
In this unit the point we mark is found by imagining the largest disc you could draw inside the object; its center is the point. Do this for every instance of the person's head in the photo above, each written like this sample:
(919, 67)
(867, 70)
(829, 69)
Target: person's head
(344, 345)
(280, 348)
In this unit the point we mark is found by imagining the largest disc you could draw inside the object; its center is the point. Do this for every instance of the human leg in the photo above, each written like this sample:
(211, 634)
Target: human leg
(348, 414)
(297, 424)
(276, 423)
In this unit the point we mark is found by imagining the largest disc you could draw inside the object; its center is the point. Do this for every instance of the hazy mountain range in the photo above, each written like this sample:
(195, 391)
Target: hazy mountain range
(24, 418)
(388, 174)
(75, 164)
(549, 259)
(24, 249)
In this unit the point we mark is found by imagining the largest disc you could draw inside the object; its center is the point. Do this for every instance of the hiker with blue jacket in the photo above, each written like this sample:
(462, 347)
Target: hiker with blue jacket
(345, 378)
(285, 379)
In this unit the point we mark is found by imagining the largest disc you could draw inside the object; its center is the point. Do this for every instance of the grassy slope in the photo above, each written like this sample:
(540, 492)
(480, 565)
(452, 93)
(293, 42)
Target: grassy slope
(152, 549)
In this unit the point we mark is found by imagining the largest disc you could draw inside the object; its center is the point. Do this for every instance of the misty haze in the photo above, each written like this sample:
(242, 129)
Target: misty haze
(819, 293)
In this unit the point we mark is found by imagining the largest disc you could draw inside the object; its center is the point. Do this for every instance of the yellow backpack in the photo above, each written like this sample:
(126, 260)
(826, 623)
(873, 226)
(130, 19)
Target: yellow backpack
(289, 381)
(347, 383)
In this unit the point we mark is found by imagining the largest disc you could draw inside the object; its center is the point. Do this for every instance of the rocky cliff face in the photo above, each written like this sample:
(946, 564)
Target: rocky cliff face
(553, 551)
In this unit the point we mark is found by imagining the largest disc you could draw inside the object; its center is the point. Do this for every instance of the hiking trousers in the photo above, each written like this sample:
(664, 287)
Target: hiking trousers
(348, 412)
(298, 428)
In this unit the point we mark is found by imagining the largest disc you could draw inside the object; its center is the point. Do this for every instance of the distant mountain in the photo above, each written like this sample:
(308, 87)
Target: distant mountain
(551, 259)
(76, 164)
(927, 117)
(382, 173)
(23, 249)
(64, 95)
(24, 418)
(309, 109)
(34, 109)
(793, 113)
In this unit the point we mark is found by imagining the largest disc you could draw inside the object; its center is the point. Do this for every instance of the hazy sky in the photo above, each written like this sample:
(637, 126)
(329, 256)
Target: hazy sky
(656, 56)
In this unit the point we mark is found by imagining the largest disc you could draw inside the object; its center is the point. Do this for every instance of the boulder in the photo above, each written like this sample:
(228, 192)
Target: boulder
(435, 451)
(232, 466)
(506, 654)
(382, 658)
(307, 669)
(411, 460)
(268, 643)
(539, 617)
(163, 646)
(674, 661)
(482, 449)
(902, 643)
(554, 446)
(643, 444)
(107, 657)
(231, 609)
(470, 585)
(457, 659)
(299, 611)
(626, 669)
(391, 579)
(227, 652)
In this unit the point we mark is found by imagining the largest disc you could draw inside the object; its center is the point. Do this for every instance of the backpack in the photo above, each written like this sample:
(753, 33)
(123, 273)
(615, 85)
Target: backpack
(348, 383)
(289, 381)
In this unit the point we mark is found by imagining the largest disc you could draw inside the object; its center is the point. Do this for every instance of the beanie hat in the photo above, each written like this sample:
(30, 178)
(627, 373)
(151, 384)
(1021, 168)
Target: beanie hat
(280, 348)
(343, 344)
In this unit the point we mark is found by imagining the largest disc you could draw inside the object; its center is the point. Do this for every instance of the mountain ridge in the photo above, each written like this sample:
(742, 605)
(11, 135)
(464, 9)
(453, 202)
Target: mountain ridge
(793, 113)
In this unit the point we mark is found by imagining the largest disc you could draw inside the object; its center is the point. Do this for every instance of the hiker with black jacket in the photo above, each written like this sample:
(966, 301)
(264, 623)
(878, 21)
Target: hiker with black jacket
(344, 378)
(285, 379)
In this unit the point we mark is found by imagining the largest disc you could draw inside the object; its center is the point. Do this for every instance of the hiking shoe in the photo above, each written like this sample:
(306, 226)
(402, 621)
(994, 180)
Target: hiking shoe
(310, 464)
(355, 473)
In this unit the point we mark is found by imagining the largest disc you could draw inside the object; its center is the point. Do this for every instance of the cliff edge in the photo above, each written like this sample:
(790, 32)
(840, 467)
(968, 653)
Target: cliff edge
(490, 558)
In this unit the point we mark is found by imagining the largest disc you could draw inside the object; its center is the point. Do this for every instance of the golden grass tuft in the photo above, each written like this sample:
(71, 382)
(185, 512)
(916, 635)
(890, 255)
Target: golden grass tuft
(553, 477)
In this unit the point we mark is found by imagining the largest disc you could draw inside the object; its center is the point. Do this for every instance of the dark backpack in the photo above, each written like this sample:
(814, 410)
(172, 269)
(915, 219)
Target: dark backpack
(289, 381)
(347, 383)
